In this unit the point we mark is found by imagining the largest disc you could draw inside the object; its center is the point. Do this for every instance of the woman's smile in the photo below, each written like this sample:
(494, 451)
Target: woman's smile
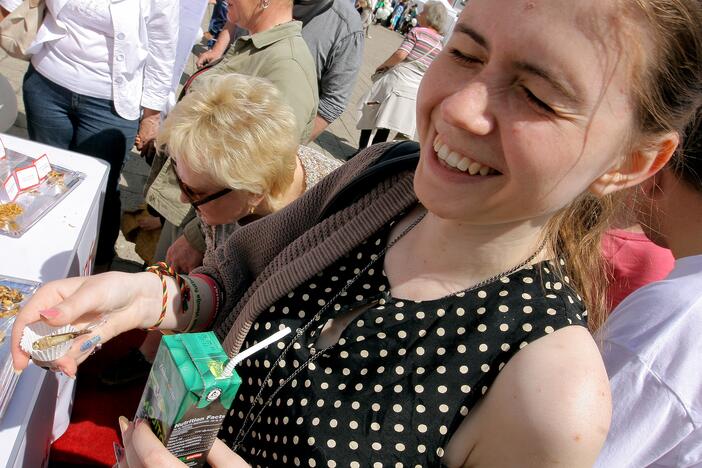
(454, 160)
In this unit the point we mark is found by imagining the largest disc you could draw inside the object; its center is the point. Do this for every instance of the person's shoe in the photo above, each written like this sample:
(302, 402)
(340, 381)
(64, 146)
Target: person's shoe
(130, 368)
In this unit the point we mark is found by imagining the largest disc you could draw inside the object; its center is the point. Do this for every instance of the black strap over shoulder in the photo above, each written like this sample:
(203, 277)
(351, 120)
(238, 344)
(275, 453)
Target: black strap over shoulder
(399, 157)
(305, 10)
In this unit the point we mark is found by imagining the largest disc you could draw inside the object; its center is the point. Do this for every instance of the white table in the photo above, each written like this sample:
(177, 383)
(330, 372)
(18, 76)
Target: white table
(61, 244)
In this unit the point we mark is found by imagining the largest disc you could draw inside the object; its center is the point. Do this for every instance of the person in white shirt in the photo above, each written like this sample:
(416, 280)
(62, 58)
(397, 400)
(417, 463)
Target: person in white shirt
(100, 75)
(652, 342)
(6, 7)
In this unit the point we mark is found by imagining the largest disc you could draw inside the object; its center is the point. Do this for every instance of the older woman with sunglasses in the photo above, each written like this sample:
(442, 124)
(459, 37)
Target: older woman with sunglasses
(234, 147)
(253, 164)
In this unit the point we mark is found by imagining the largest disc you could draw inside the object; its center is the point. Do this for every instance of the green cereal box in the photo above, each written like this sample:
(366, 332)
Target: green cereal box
(186, 398)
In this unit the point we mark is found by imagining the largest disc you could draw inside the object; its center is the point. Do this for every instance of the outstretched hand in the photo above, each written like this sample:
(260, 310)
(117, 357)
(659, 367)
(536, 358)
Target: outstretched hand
(119, 301)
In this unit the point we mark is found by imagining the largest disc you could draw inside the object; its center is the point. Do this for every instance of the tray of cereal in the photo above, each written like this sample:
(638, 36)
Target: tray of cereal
(29, 189)
(13, 294)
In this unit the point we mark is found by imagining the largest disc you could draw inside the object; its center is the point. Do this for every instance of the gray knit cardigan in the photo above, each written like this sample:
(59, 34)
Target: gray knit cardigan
(265, 260)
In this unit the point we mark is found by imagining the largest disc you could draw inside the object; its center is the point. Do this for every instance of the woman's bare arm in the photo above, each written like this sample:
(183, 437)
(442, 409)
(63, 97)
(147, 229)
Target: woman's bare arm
(549, 407)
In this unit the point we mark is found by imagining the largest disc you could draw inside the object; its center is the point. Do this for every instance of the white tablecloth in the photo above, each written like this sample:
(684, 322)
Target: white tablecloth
(60, 245)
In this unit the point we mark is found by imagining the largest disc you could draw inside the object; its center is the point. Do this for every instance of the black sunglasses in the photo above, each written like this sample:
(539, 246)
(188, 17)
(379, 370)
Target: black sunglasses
(188, 192)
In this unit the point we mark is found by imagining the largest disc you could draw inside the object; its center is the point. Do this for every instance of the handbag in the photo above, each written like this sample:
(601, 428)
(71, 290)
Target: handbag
(378, 74)
(19, 29)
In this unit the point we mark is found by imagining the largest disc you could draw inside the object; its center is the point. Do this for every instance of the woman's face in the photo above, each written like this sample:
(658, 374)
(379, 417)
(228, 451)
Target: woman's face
(243, 12)
(226, 209)
(530, 97)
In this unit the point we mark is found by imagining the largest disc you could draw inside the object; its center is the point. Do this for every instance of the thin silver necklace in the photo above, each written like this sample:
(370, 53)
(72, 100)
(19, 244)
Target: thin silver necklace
(249, 422)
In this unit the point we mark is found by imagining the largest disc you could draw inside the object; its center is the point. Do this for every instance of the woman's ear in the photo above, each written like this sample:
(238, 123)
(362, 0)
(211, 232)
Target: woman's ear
(255, 199)
(643, 163)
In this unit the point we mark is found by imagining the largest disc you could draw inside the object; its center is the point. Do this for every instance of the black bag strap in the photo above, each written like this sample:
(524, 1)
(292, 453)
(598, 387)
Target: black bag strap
(399, 157)
(305, 10)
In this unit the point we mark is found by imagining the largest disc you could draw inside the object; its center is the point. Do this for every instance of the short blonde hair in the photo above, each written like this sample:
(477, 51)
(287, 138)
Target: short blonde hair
(237, 131)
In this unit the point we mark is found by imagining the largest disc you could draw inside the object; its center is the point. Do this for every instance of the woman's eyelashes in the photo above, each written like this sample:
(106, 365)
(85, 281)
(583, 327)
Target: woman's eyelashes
(467, 59)
(464, 58)
(531, 97)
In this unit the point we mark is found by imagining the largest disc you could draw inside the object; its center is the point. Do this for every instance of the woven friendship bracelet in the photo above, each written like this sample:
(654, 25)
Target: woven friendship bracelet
(163, 270)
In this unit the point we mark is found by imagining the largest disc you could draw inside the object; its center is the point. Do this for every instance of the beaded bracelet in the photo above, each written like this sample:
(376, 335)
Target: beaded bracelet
(163, 270)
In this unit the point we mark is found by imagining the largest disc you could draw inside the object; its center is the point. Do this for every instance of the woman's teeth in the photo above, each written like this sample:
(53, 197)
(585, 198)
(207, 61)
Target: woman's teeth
(462, 163)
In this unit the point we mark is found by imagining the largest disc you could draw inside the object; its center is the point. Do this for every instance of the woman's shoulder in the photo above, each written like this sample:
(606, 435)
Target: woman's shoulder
(562, 393)
(317, 165)
(551, 402)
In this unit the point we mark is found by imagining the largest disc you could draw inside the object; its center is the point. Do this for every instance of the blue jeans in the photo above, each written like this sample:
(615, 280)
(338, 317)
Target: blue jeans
(59, 117)
(217, 21)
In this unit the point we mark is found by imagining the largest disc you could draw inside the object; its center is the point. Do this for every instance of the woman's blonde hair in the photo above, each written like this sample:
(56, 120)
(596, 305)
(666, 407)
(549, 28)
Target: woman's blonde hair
(667, 88)
(237, 131)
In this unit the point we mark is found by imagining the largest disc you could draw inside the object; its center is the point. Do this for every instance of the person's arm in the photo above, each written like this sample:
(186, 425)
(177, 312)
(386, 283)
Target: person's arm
(220, 47)
(398, 56)
(648, 420)
(162, 33)
(118, 302)
(193, 233)
(162, 36)
(183, 256)
(188, 250)
(148, 127)
(401, 53)
(320, 124)
(548, 407)
(338, 80)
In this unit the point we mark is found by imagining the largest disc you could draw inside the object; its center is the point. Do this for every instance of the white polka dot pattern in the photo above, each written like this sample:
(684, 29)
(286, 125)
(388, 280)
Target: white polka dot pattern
(390, 391)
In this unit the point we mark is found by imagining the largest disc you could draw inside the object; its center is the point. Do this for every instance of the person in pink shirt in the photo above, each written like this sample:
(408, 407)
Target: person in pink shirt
(633, 261)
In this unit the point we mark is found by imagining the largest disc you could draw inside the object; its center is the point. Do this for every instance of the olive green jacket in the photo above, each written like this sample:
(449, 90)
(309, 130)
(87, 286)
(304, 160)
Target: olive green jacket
(279, 55)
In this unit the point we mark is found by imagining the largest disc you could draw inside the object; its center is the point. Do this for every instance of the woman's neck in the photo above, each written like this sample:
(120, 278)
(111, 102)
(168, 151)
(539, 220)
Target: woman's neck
(294, 190)
(273, 16)
(455, 255)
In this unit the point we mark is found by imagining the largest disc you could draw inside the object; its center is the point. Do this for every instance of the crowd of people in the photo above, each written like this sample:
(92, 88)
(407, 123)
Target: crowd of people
(518, 283)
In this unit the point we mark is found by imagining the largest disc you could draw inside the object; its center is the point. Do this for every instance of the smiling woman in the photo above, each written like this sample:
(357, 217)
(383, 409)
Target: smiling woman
(439, 316)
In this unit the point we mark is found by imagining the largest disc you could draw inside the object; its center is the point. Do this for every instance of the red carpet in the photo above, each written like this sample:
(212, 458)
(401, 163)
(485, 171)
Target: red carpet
(93, 429)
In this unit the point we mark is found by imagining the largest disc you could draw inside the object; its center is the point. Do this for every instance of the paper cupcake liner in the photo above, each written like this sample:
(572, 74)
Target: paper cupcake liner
(36, 330)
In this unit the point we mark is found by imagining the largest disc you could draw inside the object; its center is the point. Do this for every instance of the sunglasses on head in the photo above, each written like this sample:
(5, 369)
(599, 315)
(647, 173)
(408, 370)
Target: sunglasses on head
(190, 195)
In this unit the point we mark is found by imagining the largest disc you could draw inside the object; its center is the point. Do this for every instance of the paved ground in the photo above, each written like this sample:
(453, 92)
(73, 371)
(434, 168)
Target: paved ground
(340, 139)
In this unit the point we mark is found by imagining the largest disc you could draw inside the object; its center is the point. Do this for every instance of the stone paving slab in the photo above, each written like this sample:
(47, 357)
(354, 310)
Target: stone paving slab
(339, 140)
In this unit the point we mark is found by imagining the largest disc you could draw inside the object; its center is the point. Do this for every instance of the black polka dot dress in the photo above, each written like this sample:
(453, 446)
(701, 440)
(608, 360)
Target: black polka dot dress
(401, 378)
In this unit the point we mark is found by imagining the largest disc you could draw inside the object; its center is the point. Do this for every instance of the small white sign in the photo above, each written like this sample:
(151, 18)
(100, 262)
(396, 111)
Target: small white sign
(27, 177)
(43, 166)
(11, 189)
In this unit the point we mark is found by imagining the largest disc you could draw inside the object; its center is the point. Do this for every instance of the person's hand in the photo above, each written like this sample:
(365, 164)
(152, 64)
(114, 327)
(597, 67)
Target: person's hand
(207, 57)
(121, 301)
(148, 128)
(182, 256)
(149, 223)
(142, 449)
